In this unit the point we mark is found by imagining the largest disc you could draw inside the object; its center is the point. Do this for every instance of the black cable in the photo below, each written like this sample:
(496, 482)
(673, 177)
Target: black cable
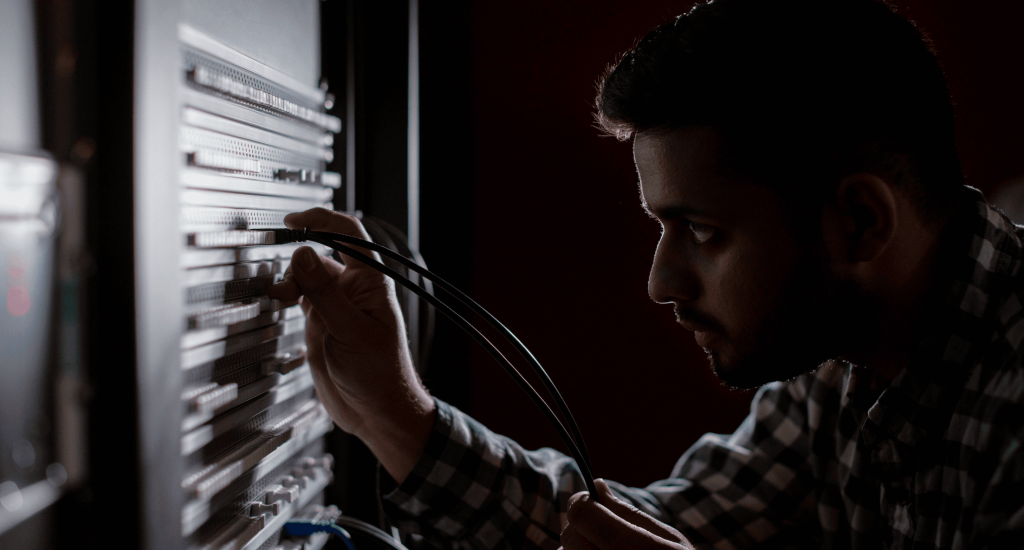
(292, 235)
(403, 247)
(469, 302)
(325, 240)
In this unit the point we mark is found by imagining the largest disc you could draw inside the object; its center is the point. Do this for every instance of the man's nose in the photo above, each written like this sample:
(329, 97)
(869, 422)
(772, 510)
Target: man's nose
(672, 278)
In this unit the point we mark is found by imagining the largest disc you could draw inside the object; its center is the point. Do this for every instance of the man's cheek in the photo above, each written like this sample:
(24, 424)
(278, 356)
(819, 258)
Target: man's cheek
(732, 299)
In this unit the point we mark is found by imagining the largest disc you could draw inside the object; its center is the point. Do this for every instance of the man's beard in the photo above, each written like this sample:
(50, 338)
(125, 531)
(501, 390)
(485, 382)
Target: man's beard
(810, 322)
(754, 372)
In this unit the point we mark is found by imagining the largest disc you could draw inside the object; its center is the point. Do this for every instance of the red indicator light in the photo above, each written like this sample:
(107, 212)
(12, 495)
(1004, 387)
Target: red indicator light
(18, 301)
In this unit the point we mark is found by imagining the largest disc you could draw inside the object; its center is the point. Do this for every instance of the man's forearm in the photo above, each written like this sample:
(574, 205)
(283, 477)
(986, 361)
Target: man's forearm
(398, 436)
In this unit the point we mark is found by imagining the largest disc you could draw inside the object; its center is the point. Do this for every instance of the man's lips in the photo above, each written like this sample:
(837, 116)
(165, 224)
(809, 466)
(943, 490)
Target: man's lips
(695, 322)
(704, 331)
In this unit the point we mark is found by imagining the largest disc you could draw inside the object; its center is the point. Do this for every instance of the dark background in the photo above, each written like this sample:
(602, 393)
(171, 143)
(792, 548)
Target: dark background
(527, 207)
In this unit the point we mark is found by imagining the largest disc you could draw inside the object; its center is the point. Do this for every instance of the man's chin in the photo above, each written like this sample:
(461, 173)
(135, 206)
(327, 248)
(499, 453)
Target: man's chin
(750, 373)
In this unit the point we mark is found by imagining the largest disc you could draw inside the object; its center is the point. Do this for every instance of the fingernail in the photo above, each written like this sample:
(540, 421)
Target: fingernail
(306, 260)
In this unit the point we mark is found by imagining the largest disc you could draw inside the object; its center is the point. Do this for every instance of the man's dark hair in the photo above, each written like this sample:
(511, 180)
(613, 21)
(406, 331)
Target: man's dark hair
(801, 92)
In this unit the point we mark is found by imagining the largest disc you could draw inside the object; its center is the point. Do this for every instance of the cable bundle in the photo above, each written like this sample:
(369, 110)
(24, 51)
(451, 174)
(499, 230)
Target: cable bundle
(340, 527)
(574, 442)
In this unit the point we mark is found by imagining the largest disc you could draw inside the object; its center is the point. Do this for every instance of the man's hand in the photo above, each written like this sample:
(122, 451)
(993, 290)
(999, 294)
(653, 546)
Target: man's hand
(614, 524)
(357, 346)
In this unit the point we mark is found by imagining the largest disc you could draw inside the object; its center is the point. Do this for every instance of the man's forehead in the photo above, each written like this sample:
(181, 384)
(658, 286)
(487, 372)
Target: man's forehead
(663, 144)
(674, 165)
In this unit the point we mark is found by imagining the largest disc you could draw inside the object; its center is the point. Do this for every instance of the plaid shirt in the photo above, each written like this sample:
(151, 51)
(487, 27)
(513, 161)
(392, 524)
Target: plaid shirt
(837, 458)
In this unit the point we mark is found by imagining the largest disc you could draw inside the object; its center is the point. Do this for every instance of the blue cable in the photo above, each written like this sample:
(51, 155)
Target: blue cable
(306, 527)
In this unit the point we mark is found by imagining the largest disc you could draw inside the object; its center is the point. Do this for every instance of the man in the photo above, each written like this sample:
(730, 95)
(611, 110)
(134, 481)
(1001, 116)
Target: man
(819, 240)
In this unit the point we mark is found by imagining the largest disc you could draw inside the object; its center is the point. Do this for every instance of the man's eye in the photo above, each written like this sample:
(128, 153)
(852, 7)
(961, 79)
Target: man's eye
(701, 232)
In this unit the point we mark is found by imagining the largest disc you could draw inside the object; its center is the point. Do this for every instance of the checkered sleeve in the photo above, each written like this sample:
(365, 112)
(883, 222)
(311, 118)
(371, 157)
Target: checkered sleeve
(999, 519)
(740, 490)
(472, 488)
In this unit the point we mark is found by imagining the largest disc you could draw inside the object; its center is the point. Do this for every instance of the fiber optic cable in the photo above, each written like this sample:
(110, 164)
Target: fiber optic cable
(584, 467)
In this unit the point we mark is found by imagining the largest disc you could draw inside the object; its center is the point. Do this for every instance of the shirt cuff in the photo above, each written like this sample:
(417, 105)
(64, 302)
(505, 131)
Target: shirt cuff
(440, 434)
(425, 498)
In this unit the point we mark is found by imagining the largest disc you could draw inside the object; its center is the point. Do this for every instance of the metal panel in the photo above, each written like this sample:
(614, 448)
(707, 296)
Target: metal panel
(157, 248)
(282, 35)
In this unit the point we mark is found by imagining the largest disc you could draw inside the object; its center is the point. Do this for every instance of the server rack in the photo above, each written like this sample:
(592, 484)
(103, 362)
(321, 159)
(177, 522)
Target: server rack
(253, 143)
(196, 121)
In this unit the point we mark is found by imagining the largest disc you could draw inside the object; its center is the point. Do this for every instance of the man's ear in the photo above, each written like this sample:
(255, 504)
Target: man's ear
(861, 221)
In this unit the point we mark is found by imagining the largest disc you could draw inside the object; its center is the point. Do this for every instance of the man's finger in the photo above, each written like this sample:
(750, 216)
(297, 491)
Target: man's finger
(602, 527)
(316, 332)
(572, 540)
(321, 219)
(635, 516)
(321, 287)
(287, 290)
(312, 276)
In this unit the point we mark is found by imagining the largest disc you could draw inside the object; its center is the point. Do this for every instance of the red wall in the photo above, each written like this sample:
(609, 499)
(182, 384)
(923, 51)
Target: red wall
(559, 248)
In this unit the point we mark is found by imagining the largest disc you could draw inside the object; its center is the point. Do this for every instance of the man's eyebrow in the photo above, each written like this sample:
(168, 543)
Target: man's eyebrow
(671, 212)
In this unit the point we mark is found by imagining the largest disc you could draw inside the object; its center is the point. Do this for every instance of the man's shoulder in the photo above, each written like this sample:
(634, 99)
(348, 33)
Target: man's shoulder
(999, 375)
(989, 415)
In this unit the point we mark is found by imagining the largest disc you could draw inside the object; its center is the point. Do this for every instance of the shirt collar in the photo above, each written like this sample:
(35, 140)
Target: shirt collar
(983, 253)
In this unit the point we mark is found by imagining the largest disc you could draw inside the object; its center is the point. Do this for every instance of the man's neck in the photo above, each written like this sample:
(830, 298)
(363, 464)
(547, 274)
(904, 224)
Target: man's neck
(912, 280)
